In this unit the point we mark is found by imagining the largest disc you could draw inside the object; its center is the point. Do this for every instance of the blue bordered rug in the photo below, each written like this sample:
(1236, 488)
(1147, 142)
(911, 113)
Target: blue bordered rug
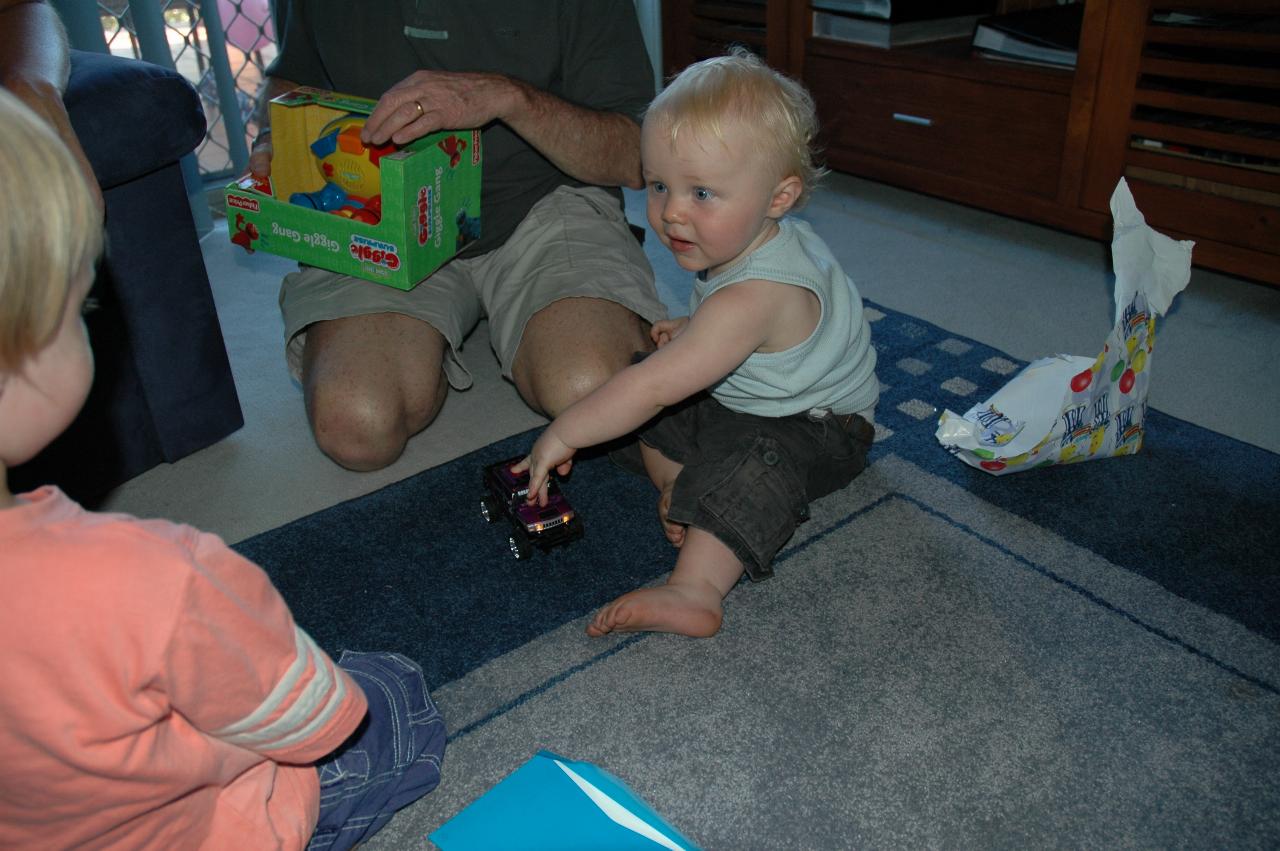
(413, 566)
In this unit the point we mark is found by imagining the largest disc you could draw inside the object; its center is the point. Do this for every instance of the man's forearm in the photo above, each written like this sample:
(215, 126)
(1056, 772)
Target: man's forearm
(602, 148)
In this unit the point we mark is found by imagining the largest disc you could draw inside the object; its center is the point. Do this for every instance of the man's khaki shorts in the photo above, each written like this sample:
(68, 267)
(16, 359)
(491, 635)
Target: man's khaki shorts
(574, 243)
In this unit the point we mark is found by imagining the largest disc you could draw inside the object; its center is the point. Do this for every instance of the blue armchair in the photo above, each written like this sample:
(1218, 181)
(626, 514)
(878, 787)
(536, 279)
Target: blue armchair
(163, 387)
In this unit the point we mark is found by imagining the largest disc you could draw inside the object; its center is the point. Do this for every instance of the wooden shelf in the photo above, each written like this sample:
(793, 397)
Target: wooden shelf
(952, 57)
(699, 29)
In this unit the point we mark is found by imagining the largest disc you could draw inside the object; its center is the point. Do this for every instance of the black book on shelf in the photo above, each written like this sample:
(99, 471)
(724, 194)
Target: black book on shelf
(901, 11)
(1046, 36)
(887, 34)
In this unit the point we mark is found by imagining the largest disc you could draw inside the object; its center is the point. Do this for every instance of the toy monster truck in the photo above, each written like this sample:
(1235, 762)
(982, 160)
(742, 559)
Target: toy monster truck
(532, 525)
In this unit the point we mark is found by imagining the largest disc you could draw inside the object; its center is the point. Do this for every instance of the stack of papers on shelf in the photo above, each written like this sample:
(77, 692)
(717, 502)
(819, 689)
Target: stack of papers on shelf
(887, 34)
(1046, 36)
(869, 8)
(907, 10)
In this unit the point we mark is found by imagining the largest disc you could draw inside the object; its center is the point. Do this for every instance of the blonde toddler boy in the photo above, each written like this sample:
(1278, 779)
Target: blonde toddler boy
(760, 400)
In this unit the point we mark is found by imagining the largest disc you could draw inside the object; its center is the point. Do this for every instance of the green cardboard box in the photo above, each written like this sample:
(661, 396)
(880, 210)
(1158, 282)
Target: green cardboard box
(429, 194)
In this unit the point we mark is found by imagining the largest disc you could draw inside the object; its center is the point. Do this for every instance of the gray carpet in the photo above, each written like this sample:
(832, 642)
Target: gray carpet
(925, 670)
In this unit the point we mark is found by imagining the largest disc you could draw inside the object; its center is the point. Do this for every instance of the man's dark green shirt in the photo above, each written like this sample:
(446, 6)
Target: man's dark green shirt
(587, 52)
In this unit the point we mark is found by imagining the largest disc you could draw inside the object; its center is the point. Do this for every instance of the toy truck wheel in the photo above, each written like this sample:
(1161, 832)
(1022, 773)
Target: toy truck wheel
(521, 546)
(488, 510)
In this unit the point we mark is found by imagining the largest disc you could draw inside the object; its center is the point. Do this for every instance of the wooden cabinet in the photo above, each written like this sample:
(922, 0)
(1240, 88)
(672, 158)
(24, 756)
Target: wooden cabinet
(1191, 117)
(698, 29)
(1183, 107)
(932, 121)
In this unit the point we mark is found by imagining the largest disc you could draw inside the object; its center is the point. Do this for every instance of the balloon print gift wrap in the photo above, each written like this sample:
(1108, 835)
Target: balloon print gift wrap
(1066, 408)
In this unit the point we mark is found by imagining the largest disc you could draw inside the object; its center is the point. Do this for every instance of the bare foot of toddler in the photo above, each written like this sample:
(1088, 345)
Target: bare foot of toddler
(665, 608)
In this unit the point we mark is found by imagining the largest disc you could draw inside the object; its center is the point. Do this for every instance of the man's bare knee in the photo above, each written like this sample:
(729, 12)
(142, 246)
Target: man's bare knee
(576, 380)
(356, 434)
(363, 412)
(365, 433)
(550, 375)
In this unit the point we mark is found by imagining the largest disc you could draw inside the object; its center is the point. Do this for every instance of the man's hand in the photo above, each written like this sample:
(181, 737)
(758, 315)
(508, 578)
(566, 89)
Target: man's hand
(600, 148)
(260, 155)
(548, 452)
(427, 101)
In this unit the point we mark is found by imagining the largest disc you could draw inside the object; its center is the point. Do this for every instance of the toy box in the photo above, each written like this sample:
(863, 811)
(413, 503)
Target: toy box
(323, 205)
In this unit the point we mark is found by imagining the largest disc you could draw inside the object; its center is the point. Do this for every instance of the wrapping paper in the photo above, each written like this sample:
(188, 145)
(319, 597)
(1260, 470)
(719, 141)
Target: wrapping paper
(1065, 409)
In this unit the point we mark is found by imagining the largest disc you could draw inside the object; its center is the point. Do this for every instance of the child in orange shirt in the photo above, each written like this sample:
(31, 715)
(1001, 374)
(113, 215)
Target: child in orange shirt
(154, 690)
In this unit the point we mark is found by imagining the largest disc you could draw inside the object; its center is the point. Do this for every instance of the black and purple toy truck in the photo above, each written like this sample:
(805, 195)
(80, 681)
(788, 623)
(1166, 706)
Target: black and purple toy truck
(532, 525)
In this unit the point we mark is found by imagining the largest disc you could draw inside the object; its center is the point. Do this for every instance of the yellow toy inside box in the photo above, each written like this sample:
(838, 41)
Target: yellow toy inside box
(391, 214)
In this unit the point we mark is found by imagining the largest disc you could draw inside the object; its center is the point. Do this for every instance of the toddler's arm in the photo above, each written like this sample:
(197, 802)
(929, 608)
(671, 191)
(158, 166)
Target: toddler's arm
(241, 670)
(550, 453)
(700, 350)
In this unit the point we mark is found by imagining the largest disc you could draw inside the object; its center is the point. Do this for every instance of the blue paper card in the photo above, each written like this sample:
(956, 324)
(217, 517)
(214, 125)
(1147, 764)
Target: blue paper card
(556, 804)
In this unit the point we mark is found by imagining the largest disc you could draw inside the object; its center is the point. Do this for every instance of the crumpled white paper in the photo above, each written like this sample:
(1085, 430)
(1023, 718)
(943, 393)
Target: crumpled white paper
(1067, 408)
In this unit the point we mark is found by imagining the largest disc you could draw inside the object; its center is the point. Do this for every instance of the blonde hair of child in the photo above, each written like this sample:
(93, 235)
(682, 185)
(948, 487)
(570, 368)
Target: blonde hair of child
(50, 229)
(739, 88)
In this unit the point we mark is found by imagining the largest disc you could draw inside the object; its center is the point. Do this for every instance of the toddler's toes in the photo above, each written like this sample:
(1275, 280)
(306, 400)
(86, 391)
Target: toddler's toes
(673, 531)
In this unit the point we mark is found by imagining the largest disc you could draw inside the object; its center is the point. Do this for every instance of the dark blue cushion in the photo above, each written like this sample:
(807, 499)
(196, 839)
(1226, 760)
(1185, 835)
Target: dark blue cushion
(131, 117)
(163, 386)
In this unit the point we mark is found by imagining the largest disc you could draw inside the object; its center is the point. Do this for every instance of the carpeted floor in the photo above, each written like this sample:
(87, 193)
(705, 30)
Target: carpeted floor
(1079, 655)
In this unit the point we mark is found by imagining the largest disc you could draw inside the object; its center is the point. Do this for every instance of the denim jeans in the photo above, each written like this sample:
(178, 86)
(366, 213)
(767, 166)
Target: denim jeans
(391, 760)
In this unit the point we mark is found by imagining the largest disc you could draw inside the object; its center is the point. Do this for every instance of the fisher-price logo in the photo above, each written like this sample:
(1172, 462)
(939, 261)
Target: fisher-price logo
(372, 251)
(424, 215)
(250, 204)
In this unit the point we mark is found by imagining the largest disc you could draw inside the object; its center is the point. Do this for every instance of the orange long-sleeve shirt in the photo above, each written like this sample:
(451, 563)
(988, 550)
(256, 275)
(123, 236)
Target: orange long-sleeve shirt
(154, 689)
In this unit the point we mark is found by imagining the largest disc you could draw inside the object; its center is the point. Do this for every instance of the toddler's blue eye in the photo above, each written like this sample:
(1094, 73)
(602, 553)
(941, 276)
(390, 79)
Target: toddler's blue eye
(658, 187)
(702, 194)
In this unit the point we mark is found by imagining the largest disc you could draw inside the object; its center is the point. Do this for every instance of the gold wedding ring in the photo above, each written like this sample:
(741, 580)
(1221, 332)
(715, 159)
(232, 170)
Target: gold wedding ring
(421, 111)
